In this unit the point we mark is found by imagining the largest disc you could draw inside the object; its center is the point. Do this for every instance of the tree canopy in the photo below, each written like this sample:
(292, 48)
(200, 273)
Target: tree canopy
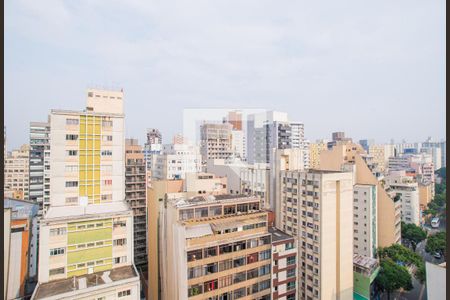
(393, 276)
(437, 243)
(413, 233)
(399, 253)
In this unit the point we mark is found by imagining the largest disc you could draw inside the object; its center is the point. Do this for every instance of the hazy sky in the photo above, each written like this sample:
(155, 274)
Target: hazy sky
(373, 69)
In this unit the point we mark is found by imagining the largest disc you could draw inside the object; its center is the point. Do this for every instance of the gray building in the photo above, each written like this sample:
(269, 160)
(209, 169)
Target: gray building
(39, 186)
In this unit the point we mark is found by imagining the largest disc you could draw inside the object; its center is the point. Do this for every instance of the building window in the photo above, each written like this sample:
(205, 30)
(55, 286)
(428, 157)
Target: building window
(56, 271)
(71, 137)
(195, 272)
(229, 210)
(290, 273)
(106, 153)
(186, 214)
(225, 281)
(107, 123)
(225, 265)
(120, 260)
(239, 293)
(195, 290)
(210, 285)
(57, 251)
(107, 182)
(227, 248)
(124, 293)
(239, 277)
(120, 242)
(194, 255)
(215, 210)
(71, 183)
(71, 200)
(201, 212)
(58, 231)
(264, 254)
(120, 224)
(72, 121)
(211, 251)
(290, 285)
(107, 197)
(290, 260)
(71, 152)
(107, 138)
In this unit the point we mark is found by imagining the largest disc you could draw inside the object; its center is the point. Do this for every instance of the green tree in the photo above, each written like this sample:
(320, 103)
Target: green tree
(437, 243)
(393, 277)
(399, 253)
(413, 233)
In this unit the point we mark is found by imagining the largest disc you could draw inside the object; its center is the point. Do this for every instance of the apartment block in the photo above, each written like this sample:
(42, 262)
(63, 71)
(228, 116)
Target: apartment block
(135, 195)
(216, 247)
(235, 119)
(407, 190)
(156, 193)
(86, 235)
(202, 183)
(365, 235)
(315, 207)
(16, 172)
(347, 154)
(284, 265)
(152, 148)
(238, 144)
(176, 160)
(255, 181)
(23, 264)
(381, 154)
(314, 153)
(216, 141)
(39, 166)
(266, 131)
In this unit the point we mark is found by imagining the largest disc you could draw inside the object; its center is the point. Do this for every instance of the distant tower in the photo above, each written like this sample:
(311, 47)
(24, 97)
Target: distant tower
(154, 136)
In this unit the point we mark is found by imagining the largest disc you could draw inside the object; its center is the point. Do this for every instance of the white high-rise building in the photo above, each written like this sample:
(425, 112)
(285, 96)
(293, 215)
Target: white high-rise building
(365, 232)
(176, 160)
(86, 235)
(407, 189)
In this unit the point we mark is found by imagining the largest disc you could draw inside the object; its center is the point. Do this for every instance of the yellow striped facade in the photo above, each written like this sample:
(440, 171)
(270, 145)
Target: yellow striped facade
(90, 157)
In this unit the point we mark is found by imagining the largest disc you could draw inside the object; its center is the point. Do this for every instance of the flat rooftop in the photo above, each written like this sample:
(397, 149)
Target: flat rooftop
(364, 262)
(77, 212)
(278, 235)
(211, 199)
(60, 287)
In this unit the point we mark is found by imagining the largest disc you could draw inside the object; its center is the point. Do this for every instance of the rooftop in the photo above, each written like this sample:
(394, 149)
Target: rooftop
(364, 262)
(212, 199)
(77, 212)
(278, 235)
(85, 282)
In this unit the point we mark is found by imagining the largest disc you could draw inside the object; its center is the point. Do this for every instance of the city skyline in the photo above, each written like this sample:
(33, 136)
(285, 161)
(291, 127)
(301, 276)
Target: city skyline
(358, 70)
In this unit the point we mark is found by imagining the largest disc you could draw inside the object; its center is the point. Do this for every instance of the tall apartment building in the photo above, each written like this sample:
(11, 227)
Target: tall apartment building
(365, 235)
(239, 144)
(154, 136)
(345, 155)
(16, 172)
(366, 144)
(178, 139)
(176, 160)
(216, 247)
(86, 236)
(336, 138)
(407, 189)
(316, 207)
(22, 252)
(381, 154)
(135, 195)
(216, 141)
(265, 131)
(152, 148)
(255, 181)
(284, 265)
(235, 119)
(314, 153)
(39, 164)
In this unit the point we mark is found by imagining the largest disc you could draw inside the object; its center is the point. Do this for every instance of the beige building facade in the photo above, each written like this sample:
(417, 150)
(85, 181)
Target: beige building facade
(316, 207)
(347, 154)
(16, 173)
